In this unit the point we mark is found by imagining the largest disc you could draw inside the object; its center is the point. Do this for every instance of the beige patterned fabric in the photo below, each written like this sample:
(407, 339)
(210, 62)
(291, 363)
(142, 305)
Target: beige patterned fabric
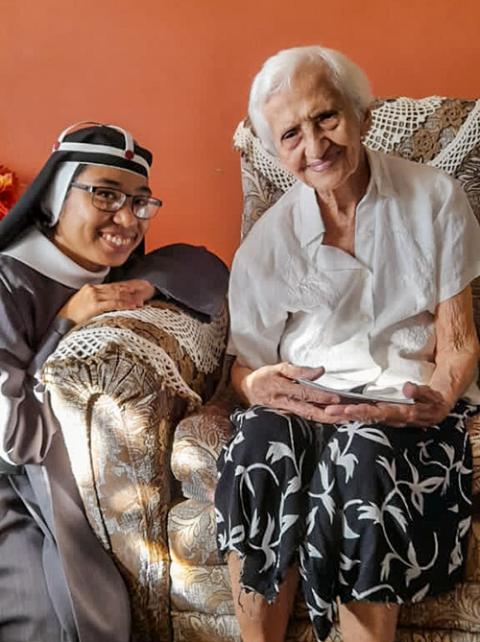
(198, 442)
(118, 413)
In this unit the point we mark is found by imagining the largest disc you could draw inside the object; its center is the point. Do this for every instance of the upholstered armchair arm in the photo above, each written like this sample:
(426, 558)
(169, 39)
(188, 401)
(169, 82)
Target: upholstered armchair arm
(198, 441)
(118, 387)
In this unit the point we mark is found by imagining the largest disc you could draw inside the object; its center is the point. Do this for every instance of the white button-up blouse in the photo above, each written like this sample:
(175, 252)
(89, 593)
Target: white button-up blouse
(368, 318)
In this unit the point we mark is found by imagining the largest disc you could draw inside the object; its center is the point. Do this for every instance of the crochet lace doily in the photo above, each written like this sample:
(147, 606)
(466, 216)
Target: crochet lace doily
(203, 342)
(396, 120)
(392, 122)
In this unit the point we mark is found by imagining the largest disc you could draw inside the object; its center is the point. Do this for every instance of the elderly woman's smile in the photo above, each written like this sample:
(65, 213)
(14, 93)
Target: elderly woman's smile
(317, 133)
(326, 161)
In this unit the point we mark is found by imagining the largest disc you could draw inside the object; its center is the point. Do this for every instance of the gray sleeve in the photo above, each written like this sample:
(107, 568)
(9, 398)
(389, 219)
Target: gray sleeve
(57, 330)
(27, 423)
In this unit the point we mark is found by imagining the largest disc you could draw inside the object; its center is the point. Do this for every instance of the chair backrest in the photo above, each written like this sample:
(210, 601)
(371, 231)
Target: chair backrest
(443, 132)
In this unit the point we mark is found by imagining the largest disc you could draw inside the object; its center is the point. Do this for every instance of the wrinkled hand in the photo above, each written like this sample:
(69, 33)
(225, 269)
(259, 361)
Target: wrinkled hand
(274, 386)
(430, 408)
(91, 300)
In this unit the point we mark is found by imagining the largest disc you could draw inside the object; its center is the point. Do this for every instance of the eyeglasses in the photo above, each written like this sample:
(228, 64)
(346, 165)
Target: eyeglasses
(112, 200)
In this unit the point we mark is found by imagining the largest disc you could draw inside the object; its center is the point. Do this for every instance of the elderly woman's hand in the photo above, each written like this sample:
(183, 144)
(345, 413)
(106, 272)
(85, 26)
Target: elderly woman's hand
(275, 386)
(430, 408)
(91, 300)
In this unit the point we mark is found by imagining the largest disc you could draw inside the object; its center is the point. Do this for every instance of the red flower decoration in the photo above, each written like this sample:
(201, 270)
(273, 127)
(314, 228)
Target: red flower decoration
(8, 189)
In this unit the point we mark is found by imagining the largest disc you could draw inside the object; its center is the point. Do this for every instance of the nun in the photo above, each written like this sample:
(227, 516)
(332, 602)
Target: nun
(70, 249)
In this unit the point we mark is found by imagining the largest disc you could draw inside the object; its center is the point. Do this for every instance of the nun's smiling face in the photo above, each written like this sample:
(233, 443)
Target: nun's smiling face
(93, 238)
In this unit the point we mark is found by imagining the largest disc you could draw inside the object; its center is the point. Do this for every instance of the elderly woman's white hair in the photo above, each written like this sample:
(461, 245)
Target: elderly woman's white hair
(277, 73)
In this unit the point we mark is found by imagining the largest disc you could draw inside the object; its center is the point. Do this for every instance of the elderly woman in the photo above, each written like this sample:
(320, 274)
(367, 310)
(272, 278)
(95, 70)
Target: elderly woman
(70, 249)
(359, 277)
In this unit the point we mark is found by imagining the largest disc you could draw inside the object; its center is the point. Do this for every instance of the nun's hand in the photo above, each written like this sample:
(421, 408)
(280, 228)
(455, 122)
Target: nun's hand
(91, 300)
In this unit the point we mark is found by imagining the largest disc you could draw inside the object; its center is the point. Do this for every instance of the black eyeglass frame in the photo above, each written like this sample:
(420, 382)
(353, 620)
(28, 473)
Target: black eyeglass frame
(93, 190)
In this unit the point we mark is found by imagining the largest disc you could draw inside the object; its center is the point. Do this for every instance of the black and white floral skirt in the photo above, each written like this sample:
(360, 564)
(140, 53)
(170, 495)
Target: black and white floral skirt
(369, 512)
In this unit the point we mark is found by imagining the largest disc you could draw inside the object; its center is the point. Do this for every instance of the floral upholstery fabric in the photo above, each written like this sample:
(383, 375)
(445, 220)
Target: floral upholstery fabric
(118, 414)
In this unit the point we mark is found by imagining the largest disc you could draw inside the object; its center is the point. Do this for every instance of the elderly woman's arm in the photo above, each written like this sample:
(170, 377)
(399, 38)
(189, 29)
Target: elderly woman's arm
(457, 347)
(455, 368)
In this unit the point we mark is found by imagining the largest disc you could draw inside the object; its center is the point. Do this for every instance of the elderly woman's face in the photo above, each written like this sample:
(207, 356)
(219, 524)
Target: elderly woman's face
(316, 131)
(93, 238)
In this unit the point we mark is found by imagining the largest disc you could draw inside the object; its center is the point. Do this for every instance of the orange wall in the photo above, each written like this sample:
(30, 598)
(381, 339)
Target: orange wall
(177, 72)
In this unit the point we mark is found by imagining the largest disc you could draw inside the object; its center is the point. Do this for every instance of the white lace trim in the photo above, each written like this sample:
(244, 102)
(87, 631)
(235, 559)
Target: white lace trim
(398, 119)
(246, 142)
(452, 155)
(392, 122)
(203, 342)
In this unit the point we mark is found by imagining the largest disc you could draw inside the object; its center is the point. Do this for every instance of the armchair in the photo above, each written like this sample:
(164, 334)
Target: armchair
(128, 386)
